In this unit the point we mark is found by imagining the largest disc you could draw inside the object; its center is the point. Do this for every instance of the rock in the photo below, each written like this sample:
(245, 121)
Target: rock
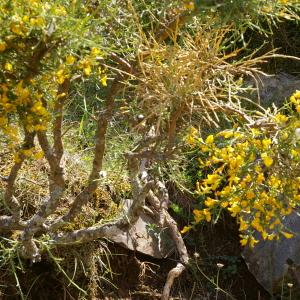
(145, 236)
(273, 88)
(269, 260)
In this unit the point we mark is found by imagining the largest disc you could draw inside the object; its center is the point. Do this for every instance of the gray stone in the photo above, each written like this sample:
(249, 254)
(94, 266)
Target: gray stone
(273, 88)
(267, 261)
(145, 236)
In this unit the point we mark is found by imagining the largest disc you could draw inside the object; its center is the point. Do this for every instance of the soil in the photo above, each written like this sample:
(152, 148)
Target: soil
(137, 276)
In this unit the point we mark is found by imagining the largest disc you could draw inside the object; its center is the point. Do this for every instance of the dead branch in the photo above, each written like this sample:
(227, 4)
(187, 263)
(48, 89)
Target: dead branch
(161, 205)
(8, 223)
(49, 204)
(175, 115)
(9, 199)
(149, 154)
(62, 94)
(172, 275)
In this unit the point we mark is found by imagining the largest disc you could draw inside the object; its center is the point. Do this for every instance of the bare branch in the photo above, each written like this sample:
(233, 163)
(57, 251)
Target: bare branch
(126, 66)
(9, 199)
(35, 60)
(172, 275)
(4, 178)
(161, 206)
(49, 204)
(149, 154)
(8, 223)
(61, 97)
(175, 115)
(87, 234)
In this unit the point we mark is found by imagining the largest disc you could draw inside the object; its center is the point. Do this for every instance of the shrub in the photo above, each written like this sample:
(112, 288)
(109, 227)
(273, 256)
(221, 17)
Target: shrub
(252, 171)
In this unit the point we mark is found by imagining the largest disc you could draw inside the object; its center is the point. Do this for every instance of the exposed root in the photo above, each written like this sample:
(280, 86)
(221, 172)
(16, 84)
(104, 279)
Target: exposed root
(174, 273)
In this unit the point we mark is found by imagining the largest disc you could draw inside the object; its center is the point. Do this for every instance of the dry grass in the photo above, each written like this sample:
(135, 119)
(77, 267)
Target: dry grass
(32, 187)
(193, 76)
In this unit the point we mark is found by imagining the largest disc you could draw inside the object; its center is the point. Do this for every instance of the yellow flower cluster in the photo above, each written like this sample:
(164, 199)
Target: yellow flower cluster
(35, 62)
(295, 99)
(20, 100)
(253, 174)
(27, 153)
(86, 65)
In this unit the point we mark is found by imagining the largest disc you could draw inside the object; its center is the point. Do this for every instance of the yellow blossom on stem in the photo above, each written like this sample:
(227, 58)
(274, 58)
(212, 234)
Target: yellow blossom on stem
(3, 46)
(185, 229)
(266, 143)
(210, 139)
(209, 202)
(198, 215)
(8, 67)
(287, 235)
(268, 161)
(280, 118)
(70, 59)
(103, 80)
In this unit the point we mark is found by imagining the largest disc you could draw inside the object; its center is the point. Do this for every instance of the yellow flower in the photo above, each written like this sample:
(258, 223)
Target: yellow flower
(227, 134)
(3, 121)
(60, 10)
(40, 127)
(271, 236)
(224, 204)
(38, 155)
(17, 158)
(274, 181)
(234, 209)
(243, 225)
(61, 76)
(255, 132)
(87, 70)
(39, 21)
(209, 202)
(3, 46)
(95, 51)
(210, 139)
(287, 235)
(27, 152)
(293, 99)
(280, 118)
(264, 235)
(16, 28)
(260, 178)
(297, 94)
(204, 189)
(198, 215)
(268, 161)
(70, 59)
(193, 131)
(185, 229)
(207, 214)
(266, 143)
(103, 80)
(244, 240)
(256, 225)
(212, 178)
(244, 203)
(252, 241)
(189, 5)
(190, 140)
(8, 67)
(250, 195)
